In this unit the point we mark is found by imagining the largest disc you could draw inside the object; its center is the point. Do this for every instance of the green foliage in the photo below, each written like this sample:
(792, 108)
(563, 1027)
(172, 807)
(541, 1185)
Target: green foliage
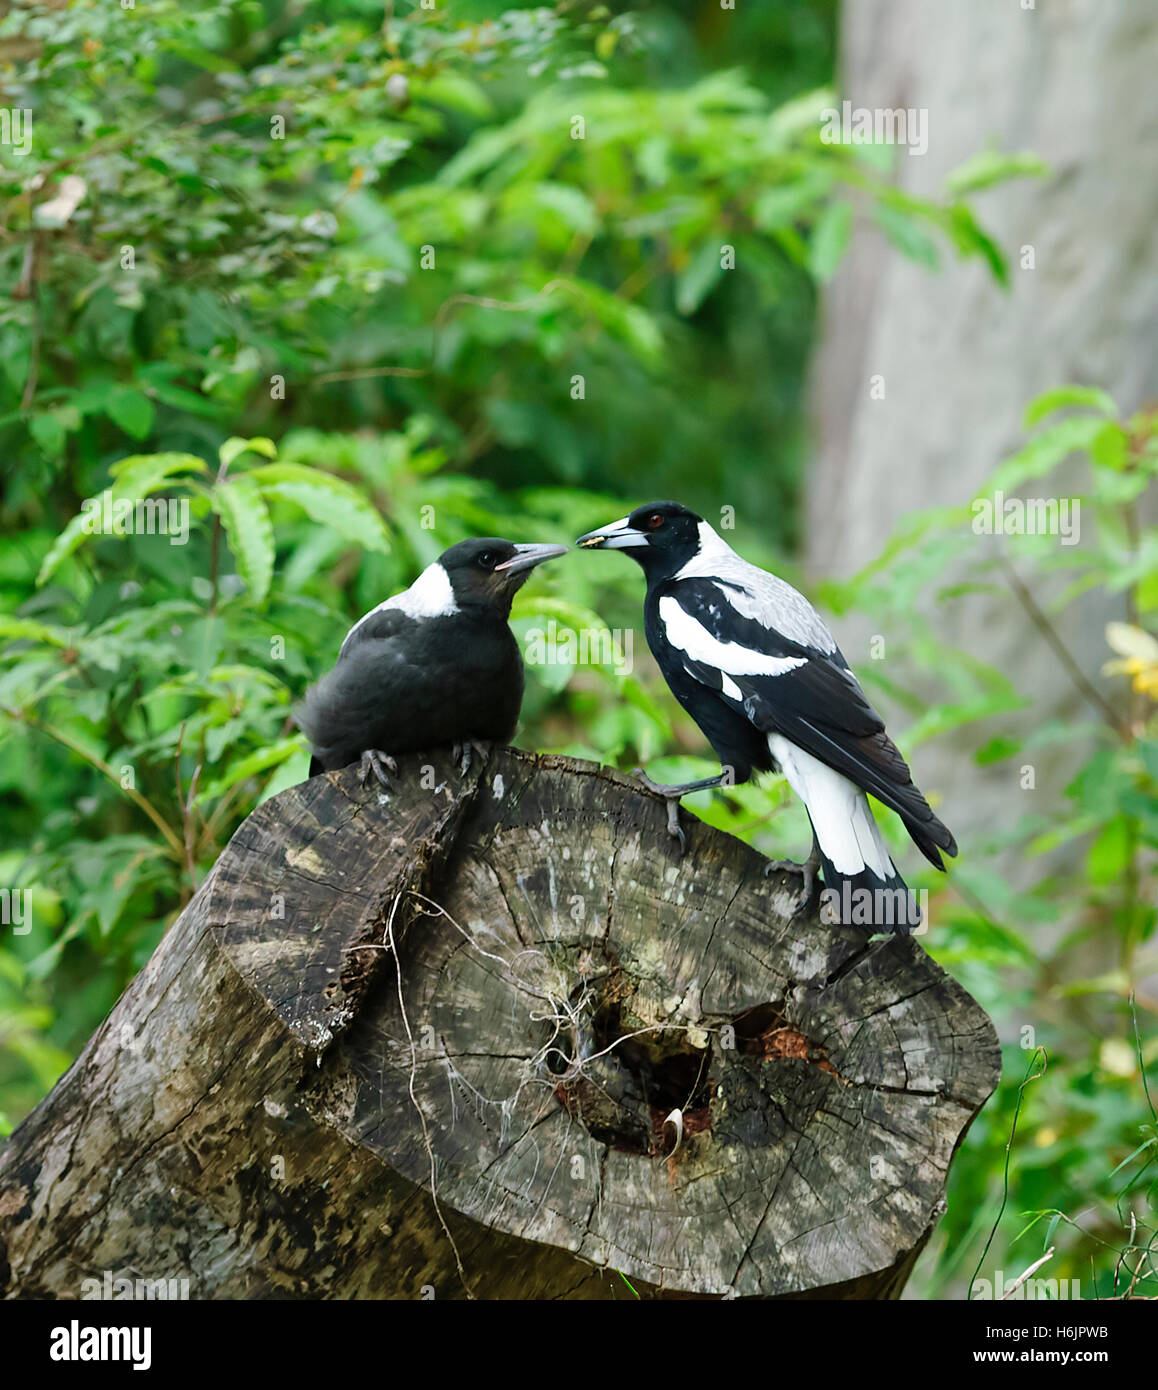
(1058, 954)
(337, 290)
(305, 217)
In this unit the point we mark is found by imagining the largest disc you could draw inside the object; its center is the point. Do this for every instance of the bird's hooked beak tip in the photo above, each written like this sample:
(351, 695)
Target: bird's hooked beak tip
(617, 535)
(526, 557)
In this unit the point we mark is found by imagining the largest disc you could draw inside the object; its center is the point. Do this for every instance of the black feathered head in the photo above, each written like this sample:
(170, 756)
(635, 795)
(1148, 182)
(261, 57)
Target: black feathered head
(661, 536)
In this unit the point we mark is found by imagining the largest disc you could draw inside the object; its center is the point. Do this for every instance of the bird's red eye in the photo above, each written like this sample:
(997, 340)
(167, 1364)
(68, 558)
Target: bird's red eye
(654, 521)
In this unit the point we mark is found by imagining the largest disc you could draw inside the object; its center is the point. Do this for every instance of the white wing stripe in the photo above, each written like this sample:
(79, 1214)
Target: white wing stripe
(762, 596)
(692, 638)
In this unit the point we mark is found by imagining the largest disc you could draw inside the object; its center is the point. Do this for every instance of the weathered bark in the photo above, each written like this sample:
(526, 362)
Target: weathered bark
(264, 1110)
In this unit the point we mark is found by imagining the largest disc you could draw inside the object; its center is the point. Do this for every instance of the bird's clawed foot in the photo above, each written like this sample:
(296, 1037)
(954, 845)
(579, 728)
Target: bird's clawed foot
(674, 828)
(461, 753)
(672, 793)
(807, 871)
(379, 763)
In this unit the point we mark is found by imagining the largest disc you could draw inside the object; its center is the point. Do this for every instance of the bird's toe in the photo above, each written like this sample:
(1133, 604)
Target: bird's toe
(464, 754)
(674, 828)
(660, 788)
(376, 762)
(807, 872)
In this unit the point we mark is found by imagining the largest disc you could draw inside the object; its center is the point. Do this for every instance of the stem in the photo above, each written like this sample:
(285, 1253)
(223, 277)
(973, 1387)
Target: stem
(1063, 654)
(147, 806)
(214, 562)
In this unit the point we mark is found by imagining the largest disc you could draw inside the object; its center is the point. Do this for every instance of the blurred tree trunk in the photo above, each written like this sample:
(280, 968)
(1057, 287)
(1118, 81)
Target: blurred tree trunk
(1074, 83)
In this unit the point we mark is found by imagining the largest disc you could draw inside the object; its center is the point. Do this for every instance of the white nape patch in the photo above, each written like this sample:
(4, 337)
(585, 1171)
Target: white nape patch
(844, 824)
(758, 594)
(430, 596)
(684, 632)
(712, 545)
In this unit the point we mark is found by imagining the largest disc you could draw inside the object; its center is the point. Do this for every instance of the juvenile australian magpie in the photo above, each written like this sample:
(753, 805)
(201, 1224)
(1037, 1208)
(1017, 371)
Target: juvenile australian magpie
(751, 661)
(434, 666)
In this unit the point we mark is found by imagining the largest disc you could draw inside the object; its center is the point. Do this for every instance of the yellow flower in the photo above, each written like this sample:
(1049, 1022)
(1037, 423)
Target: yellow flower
(1139, 653)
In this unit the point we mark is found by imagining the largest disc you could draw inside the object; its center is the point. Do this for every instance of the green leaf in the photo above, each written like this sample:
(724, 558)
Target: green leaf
(829, 239)
(251, 765)
(131, 410)
(1146, 594)
(16, 628)
(49, 432)
(1111, 447)
(1061, 396)
(139, 474)
(234, 447)
(971, 239)
(134, 477)
(1110, 852)
(243, 512)
(1045, 451)
(783, 204)
(996, 750)
(325, 499)
(906, 234)
(695, 281)
(989, 167)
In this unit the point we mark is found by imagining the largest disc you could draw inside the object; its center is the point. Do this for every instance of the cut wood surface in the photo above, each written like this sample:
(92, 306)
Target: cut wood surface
(616, 1069)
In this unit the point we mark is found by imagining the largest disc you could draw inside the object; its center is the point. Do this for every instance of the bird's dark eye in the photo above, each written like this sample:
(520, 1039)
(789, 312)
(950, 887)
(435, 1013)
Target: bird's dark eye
(655, 521)
(487, 559)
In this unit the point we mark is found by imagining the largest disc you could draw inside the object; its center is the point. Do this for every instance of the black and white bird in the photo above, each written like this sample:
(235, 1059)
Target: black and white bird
(751, 661)
(435, 666)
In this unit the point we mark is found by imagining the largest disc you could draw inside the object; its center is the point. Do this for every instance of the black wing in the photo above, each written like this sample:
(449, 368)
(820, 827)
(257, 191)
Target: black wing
(817, 705)
(380, 622)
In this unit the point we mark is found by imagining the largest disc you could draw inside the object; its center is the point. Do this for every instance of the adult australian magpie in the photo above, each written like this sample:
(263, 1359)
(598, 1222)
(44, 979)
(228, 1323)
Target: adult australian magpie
(434, 666)
(751, 661)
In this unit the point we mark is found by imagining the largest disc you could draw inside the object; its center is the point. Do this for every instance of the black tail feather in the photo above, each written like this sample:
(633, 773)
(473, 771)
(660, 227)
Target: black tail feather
(868, 901)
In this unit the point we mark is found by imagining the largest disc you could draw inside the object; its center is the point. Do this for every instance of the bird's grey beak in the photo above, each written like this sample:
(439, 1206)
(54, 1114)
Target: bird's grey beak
(526, 557)
(617, 535)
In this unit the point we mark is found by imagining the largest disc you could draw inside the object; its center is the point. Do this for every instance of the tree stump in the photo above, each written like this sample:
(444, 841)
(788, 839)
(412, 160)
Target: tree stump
(616, 1070)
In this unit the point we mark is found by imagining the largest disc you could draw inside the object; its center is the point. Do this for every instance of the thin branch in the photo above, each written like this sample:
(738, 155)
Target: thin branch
(131, 792)
(1063, 654)
(1021, 1278)
(1025, 1080)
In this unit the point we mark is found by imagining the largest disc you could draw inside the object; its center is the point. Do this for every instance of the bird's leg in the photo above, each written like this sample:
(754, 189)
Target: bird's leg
(374, 760)
(461, 753)
(674, 792)
(671, 794)
(807, 871)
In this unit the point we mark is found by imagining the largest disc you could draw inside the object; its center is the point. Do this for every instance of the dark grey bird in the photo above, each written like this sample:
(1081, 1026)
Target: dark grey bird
(435, 666)
(751, 661)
